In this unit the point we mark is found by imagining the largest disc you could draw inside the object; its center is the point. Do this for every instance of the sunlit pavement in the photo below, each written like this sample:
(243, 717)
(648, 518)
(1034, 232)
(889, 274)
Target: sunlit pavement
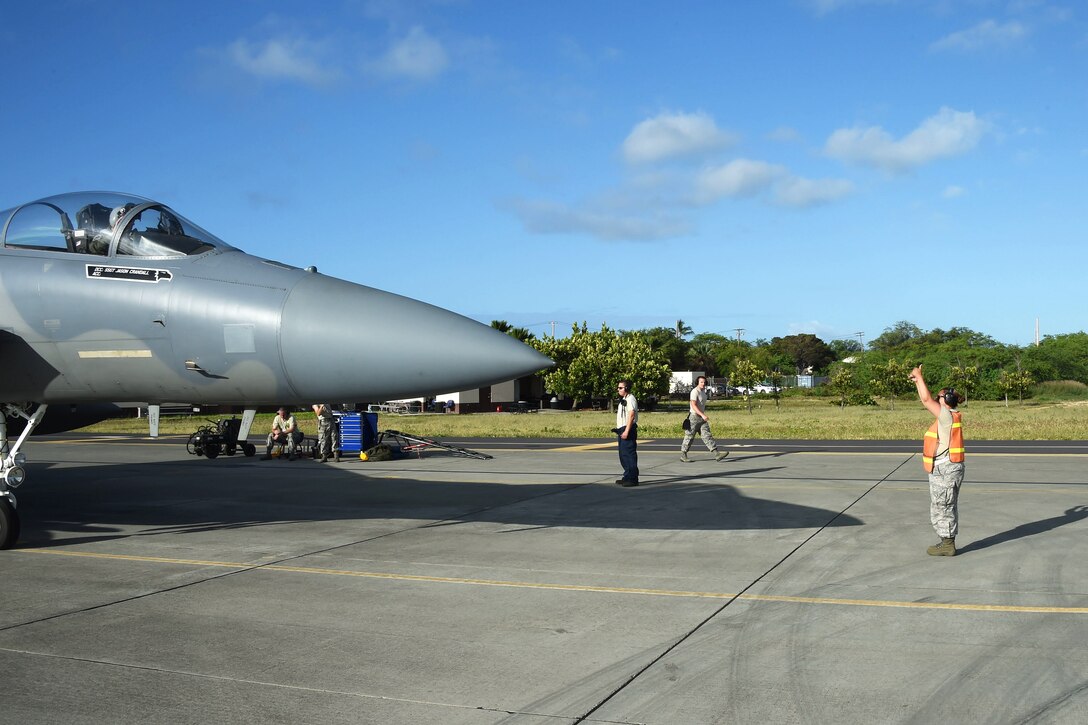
(781, 585)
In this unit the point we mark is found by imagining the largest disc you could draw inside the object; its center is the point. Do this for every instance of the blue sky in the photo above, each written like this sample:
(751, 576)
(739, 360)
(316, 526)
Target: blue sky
(790, 166)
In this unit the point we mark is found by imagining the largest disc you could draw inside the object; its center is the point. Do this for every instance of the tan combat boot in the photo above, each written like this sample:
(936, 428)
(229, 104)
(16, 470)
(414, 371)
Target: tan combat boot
(947, 547)
(684, 457)
(720, 455)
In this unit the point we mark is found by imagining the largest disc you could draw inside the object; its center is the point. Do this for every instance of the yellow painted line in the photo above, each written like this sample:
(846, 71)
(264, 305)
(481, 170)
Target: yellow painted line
(107, 438)
(1027, 609)
(130, 557)
(611, 445)
(586, 447)
(92, 354)
(916, 605)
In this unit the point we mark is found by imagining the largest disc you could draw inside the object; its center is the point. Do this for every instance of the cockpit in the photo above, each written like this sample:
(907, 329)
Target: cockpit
(104, 224)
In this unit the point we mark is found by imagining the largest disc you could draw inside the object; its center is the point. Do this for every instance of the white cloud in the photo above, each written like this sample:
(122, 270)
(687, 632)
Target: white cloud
(417, 56)
(949, 133)
(987, 34)
(282, 59)
(799, 192)
(669, 135)
(953, 191)
(545, 217)
(744, 178)
(738, 178)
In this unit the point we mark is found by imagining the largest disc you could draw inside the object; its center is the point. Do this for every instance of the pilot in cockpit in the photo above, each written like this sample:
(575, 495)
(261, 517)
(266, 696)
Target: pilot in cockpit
(100, 242)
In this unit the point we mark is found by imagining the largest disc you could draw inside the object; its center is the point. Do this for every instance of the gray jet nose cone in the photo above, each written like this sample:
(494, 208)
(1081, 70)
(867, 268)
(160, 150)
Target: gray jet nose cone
(344, 342)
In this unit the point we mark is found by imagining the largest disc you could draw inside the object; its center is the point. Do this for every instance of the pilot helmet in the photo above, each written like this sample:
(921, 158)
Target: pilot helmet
(118, 212)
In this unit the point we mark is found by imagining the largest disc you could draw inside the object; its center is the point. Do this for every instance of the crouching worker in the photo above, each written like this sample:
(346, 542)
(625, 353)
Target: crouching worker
(943, 457)
(285, 432)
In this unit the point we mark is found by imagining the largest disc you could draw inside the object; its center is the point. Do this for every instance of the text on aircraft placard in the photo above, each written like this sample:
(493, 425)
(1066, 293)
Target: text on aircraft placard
(128, 274)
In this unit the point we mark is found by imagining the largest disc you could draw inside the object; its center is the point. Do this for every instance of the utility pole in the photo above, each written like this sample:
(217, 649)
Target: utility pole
(740, 331)
(861, 339)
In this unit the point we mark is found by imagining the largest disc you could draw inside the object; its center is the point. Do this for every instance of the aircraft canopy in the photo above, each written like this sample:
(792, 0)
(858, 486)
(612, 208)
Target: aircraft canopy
(104, 224)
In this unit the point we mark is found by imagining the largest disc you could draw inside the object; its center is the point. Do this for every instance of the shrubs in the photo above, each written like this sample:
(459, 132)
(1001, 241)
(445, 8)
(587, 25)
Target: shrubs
(1059, 390)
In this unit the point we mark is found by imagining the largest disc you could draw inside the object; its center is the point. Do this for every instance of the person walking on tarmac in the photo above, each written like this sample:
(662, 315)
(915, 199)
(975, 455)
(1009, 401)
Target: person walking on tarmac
(943, 457)
(699, 423)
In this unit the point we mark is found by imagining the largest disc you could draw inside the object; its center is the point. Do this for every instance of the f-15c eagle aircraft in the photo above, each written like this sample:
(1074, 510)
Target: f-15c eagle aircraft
(112, 297)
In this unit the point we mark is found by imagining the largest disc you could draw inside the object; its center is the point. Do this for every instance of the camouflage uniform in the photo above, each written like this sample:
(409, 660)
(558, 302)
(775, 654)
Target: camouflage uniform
(326, 430)
(944, 497)
(697, 424)
(702, 427)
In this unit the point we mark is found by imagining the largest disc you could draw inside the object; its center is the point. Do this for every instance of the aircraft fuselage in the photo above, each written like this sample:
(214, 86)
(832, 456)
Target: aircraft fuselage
(107, 297)
(227, 327)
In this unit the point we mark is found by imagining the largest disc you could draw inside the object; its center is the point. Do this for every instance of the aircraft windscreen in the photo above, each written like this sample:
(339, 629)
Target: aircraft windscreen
(104, 223)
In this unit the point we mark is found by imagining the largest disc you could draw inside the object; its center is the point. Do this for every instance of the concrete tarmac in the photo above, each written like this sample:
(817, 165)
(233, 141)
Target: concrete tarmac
(787, 584)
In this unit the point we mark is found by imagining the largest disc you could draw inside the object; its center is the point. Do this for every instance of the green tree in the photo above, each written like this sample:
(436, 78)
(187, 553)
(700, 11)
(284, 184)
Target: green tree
(845, 348)
(896, 336)
(664, 341)
(1018, 380)
(842, 383)
(890, 381)
(804, 351)
(588, 364)
(682, 330)
(703, 351)
(518, 333)
(728, 353)
(746, 374)
(521, 333)
(1059, 357)
(774, 377)
(963, 379)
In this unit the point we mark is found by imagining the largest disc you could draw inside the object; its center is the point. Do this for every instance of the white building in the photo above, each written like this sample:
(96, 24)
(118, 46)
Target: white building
(492, 397)
(684, 380)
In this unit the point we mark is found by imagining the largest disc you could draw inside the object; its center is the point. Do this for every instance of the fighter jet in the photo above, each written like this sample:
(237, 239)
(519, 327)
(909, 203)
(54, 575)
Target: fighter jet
(108, 297)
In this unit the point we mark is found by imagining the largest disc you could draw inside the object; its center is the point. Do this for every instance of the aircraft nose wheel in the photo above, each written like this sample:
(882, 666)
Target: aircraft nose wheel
(9, 524)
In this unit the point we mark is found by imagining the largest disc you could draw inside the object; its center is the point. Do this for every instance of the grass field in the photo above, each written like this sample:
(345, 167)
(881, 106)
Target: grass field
(796, 418)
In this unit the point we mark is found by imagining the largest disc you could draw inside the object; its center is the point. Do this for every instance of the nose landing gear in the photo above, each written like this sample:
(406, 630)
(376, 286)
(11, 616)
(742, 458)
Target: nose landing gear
(12, 471)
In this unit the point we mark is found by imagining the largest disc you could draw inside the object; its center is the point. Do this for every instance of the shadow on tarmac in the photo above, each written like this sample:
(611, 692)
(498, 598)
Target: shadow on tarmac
(72, 505)
(1071, 515)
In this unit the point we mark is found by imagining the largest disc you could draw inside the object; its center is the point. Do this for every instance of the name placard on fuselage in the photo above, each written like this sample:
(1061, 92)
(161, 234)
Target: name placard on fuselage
(127, 274)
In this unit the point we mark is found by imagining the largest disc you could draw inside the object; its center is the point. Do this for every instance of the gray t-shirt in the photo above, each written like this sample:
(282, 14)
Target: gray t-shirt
(699, 398)
(944, 432)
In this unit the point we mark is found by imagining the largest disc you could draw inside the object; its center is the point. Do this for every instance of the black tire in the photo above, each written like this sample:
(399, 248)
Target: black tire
(229, 451)
(193, 445)
(249, 449)
(9, 524)
(211, 450)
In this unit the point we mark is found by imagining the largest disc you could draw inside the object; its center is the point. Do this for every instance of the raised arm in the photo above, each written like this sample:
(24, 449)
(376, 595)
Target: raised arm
(923, 391)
